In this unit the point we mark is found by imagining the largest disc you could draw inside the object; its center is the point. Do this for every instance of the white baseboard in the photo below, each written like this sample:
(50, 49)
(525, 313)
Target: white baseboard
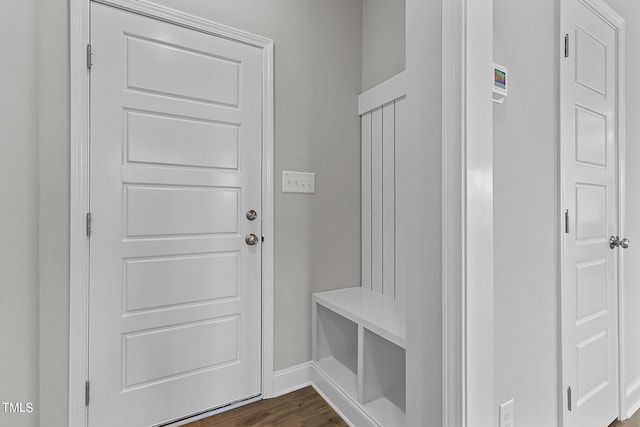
(300, 376)
(292, 379)
(633, 397)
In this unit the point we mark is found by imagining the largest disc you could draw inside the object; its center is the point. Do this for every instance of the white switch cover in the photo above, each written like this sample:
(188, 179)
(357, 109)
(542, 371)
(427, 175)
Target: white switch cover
(506, 414)
(298, 182)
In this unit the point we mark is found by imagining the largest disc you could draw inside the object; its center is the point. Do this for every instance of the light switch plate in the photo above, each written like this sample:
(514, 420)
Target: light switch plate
(506, 414)
(298, 182)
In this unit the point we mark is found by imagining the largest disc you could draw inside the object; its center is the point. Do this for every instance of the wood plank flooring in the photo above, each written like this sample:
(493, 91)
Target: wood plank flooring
(302, 408)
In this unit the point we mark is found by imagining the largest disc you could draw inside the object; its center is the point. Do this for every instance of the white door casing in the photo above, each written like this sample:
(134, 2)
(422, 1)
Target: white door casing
(590, 138)
(192, 311)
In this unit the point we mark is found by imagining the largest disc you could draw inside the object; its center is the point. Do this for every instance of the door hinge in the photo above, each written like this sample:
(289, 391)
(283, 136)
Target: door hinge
(569, 398)
(566, 45)
(89, 57)
(88, 224)
(86, 393)
(566, 221)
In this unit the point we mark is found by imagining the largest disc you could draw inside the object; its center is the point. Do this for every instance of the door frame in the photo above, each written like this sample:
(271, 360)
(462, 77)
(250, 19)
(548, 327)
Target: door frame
(618, 23)
(79, 36)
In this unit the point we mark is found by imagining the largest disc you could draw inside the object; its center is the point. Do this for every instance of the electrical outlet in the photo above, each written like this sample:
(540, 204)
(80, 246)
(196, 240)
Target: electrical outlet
(298, 182)
(506, 414)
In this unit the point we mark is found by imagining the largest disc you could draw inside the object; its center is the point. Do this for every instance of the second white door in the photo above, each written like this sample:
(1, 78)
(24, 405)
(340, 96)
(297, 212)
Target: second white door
(175, 291)
(590, 209)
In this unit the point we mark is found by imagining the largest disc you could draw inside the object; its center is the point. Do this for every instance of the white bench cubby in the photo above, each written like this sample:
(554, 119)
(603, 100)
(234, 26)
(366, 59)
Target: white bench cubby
(359, 344)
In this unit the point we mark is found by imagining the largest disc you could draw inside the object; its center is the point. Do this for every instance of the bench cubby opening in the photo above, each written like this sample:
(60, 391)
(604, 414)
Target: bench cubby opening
(337, 349)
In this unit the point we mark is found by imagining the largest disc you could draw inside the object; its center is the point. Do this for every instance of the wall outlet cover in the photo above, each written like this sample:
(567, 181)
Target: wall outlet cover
(506, 414)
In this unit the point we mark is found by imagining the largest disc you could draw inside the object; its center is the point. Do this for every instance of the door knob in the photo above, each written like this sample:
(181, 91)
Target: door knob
(251, 215)
(615, 241)
(251, 239)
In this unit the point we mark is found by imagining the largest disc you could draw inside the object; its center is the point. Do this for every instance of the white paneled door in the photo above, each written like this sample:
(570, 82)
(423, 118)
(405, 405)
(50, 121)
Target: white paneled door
(590, 203)
(175, 288)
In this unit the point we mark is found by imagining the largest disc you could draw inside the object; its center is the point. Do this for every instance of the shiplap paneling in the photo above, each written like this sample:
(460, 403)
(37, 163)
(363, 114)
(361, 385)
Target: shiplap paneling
(366, 200)
(384, 238)
(402, 223)
(388, 199)
(376, 200)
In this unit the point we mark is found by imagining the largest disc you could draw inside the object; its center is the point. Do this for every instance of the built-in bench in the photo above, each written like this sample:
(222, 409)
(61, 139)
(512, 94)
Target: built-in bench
(359, 333)
(359, 344)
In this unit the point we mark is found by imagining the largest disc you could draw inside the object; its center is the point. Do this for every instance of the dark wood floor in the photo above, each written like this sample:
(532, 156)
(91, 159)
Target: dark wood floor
(302, 408)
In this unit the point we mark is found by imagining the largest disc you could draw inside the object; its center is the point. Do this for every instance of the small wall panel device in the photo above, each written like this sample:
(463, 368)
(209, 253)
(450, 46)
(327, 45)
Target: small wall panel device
(500, 83)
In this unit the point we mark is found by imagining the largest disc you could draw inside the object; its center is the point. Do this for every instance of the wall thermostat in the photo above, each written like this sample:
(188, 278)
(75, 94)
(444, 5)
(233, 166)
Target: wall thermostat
(500, 83)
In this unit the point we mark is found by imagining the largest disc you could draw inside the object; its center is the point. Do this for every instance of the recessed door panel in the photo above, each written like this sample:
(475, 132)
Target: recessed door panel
(593, 372)
(164, 354)
(178, 141)
(591, 211)
(591, 138)
(591, 286)
(160, 282)
(591, 61)
(153, 64)
(173, 211)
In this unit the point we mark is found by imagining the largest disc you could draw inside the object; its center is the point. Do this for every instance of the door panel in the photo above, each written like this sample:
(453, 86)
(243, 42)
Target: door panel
(175, 293)
(589, 162)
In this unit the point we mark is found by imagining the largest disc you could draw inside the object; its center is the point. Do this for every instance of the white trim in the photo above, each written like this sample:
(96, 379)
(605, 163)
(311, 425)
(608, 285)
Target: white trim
(293, 378)
(467, 214)
(618, 23)
(477, 228)
(632, 397)
(307, 374)
(268, 230)
(173, 16)
(79, 18)
(348, 409)
(622, 371)
(449, 86)
(387, 91)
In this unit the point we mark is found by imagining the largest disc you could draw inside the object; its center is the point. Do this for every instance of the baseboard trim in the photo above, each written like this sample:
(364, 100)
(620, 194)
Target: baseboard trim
(300, 376)
(292, 379)
(633, 397)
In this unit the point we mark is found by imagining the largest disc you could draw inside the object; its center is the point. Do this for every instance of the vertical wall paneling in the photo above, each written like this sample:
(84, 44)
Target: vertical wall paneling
(402, 220)
(366, 200)
(388, 199)
(385, 230)
(376, 200)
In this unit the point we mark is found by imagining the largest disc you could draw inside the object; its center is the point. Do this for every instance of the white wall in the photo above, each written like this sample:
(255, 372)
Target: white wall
(19, 209)
(383, 40)
(630, 11)
(524, 213)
